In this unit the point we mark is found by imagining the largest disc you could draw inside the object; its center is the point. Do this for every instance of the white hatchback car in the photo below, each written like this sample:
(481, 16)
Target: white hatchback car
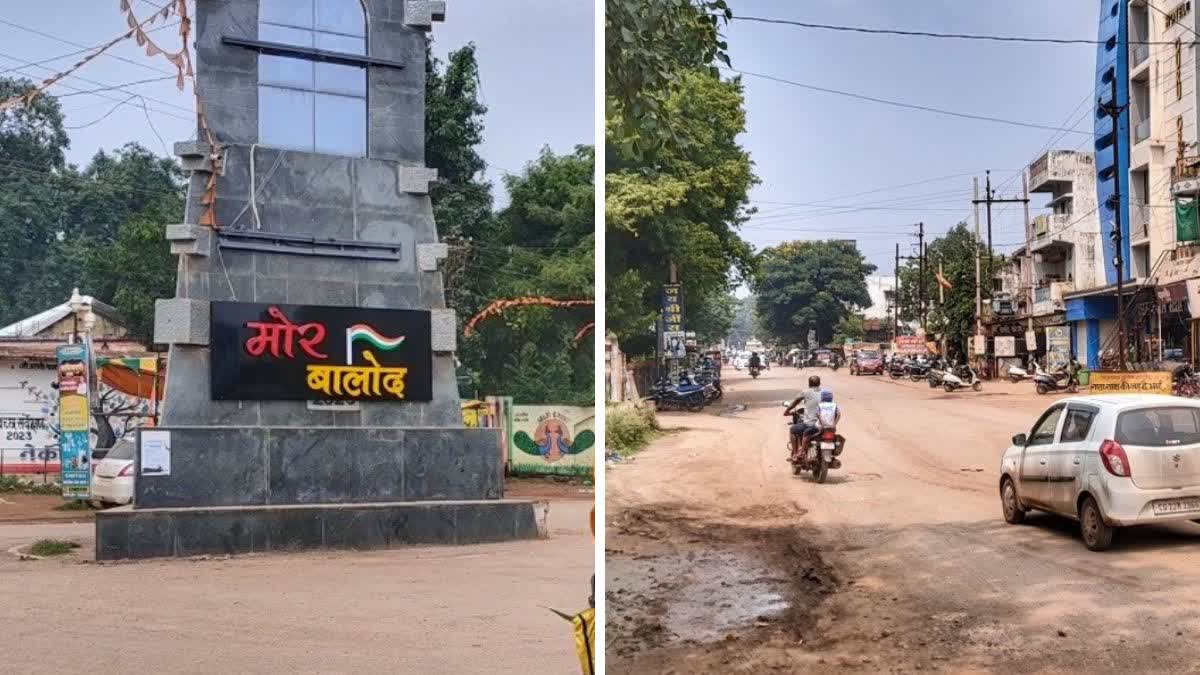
(112, 477)
(1108, 461)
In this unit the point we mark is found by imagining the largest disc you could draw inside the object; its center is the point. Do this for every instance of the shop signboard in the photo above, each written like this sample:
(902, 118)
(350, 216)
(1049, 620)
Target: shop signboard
(1130, 382)
(74, 420)
(1006, 346)
(1058, 347)
(1030, 341)
(552, 439)
(270, 352)
(979, 344)
(910, 345)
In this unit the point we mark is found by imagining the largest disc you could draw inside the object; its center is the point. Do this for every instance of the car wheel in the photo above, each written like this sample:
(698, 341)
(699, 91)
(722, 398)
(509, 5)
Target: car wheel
(1097, 535)
(1014, 513)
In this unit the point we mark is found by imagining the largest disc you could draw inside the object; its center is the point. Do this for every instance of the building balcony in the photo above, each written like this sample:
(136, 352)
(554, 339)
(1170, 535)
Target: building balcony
(1048, 296)
(1138, 55)
(1046, 227)
(1057, 170)
(1139, 223)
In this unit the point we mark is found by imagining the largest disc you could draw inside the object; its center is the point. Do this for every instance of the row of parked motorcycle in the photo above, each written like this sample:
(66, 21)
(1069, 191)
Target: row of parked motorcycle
(1065, 378)
(937, 372)
(690, 392)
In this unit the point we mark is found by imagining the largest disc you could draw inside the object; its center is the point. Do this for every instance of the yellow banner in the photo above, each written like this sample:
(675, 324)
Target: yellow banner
(1117, 382)
(73, 413)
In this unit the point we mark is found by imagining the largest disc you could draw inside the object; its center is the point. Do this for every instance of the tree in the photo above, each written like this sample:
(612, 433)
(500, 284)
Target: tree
(713, 318)
(745, 321)
(810, 285)
(681, 204)
(545, 246)
(648, 44)
(849, 327)
(956, 251)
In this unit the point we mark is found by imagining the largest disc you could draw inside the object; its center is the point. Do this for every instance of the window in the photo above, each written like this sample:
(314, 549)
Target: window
(1078, 425)
(1159, 427)
(1043, 431)
(305, 104)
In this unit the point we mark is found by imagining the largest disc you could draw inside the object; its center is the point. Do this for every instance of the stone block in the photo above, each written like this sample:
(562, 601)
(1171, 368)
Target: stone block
(444, 326)
(444, 464)
(182, 321)
(210, 466)
(429, 255)
(423, 13)
(416, 179)
(193, 240)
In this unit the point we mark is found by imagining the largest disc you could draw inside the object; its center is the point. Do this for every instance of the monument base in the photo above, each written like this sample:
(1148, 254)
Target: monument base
(180, 532)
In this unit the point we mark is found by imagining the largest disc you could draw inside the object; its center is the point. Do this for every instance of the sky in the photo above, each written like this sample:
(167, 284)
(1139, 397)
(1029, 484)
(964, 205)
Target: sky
(818, 148)
(535, 57)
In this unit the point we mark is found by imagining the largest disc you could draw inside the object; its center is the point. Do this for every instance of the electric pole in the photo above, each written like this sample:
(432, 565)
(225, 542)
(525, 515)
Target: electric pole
(1114, 113)
(896, 299)
(921, 270)
(991, 199)
(978, 280)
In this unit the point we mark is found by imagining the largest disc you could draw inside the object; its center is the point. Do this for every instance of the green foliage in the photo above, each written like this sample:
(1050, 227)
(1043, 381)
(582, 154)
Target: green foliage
(713, 318)
(544, 245)
(810, 285)
(52, 547)
(628, 429)
(955, 250)
(849, 327)
(682, 204)
(21, 486)
(745, 321)
(648, 43)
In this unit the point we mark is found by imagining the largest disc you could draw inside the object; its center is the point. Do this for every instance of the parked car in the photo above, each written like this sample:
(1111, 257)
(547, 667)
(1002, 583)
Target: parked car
(112, 477)
(866, 362)
(1109, 462)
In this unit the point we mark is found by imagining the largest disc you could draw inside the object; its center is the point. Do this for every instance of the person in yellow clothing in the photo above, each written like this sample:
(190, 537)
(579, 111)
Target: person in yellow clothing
(585, 622)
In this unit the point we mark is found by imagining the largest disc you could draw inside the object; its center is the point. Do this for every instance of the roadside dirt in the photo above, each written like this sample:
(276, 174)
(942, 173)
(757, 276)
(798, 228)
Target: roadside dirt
(547, 488)
(899, 563)
(20, 508)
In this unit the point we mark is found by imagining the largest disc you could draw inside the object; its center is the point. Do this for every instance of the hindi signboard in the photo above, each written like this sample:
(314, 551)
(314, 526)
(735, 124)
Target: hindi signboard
(1128, 382)
(672, 308)
(910, 345)
(1058, 347)
(74, 420)
(305, 352)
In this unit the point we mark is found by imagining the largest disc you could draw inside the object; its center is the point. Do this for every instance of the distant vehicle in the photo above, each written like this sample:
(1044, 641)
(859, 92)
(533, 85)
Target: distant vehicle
(1109, 462)
(867, 362)
(112, 477)
(824, 357)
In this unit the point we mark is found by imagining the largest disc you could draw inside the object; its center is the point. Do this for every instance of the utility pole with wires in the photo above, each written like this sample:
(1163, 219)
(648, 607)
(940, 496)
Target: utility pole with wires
(921, 270)
(991, 199)
(1113, 111)
(978, 280)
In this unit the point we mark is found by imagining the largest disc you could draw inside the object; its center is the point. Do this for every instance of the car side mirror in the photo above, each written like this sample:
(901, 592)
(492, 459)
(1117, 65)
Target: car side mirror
(1021, 440)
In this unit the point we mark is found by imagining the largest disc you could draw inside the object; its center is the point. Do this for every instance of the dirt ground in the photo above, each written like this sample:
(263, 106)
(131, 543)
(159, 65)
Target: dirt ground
(20, 508)
(719, 560)
(452, 610)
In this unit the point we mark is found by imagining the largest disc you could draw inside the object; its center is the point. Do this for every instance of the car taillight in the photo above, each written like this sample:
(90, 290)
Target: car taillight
(127, 471)
(1115, 459)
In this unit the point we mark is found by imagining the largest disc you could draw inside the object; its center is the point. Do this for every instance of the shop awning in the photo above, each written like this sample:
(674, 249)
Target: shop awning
(138, 377)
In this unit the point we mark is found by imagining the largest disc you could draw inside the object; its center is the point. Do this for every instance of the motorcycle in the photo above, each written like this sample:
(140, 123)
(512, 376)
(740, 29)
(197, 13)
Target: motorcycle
(1060, 380)
(755, 371)
(712, 381)
(937, 374)
(684, 396)
(963, 378)
(835, 364)
(918, 370)
(816, 451)
(897, 368)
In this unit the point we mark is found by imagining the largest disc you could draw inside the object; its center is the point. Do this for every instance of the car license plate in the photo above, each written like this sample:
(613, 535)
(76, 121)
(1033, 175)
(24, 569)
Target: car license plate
(1168, 506)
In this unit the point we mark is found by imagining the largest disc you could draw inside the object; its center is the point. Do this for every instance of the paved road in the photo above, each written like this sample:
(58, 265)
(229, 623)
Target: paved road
(902, 560)
(469, 609)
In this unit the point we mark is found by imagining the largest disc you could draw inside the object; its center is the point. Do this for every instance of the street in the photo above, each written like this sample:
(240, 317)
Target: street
(720, 560)
(464, 609)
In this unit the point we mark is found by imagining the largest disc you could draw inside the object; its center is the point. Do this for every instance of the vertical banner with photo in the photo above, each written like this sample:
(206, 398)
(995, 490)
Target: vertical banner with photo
(74, 419)
(1058, 347)
(674, 337)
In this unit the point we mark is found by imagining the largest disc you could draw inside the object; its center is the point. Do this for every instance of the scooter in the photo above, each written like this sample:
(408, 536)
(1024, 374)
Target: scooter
(1059, 380)
(816, 451)
(937, 374)
(965, 377)
(1016, 373)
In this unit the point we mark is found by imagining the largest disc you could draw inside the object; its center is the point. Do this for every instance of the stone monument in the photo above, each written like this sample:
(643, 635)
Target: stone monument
(311, 398)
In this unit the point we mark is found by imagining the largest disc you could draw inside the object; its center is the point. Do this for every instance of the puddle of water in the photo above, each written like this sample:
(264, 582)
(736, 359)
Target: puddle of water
(722, 592)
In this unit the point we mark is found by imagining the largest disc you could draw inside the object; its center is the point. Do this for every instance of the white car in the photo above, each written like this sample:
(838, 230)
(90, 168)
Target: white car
(1108, 461)
(112, 477)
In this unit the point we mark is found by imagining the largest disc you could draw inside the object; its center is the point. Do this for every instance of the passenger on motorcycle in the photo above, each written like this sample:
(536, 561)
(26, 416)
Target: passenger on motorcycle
(811, 400)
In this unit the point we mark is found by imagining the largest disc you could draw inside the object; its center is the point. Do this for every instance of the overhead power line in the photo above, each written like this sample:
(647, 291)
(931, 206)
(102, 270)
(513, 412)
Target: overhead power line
(938, 35)
(909, 106)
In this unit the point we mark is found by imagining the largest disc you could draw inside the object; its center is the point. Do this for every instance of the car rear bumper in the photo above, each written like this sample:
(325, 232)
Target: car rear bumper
(1123, 504)
(113, 490)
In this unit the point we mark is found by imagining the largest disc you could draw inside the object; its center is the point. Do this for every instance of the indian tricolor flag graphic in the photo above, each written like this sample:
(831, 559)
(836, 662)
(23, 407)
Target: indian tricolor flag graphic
(361, 331)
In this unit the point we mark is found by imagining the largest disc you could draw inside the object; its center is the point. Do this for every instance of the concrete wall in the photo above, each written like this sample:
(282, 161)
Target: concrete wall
(28, 411)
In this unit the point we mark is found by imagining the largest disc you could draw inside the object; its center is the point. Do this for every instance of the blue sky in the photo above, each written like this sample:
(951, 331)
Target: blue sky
(536, 61)
(815, 147)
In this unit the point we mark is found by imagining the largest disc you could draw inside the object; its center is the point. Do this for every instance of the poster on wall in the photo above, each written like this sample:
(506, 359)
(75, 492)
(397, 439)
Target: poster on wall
(305, 352)
(1030, 341)
(1058, 347)
(910, 345)
(674, 345)
(1006, 345)
(74, 420)
(552, 440)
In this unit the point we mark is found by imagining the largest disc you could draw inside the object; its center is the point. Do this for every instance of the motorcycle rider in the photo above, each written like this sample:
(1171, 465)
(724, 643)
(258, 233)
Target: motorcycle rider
(755, 361)
(811, 400)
